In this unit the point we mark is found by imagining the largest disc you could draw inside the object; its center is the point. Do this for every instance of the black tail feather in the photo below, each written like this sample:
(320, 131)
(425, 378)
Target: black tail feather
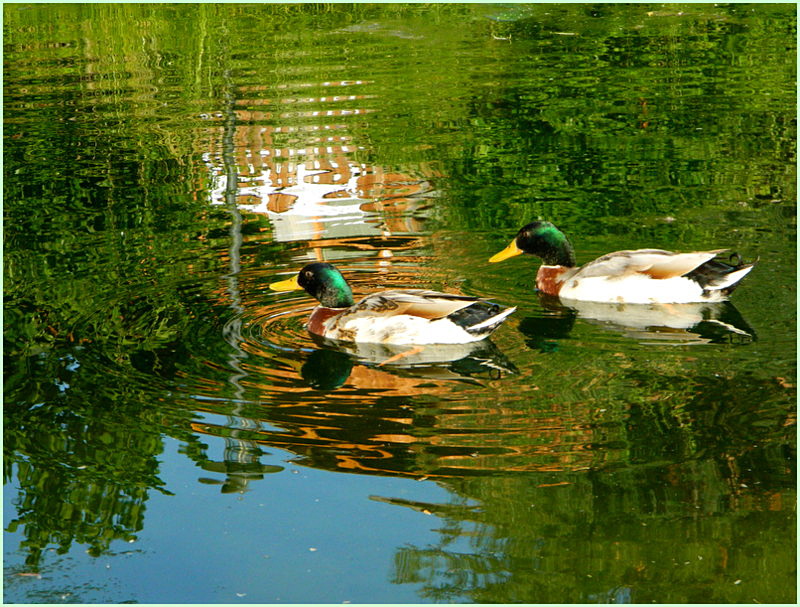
(713, 272)
(477, 313)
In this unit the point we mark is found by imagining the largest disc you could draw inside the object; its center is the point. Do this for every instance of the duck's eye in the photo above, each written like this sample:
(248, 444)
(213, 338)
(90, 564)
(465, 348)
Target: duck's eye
(308, 274)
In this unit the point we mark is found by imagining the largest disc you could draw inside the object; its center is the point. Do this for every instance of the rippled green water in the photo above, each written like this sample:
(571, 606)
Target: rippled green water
(172, 433)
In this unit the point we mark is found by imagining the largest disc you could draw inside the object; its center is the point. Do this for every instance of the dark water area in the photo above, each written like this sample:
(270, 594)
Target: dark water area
(172, 433)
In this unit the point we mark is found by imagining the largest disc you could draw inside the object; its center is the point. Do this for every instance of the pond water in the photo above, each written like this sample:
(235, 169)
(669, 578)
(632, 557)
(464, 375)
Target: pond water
(173, 434)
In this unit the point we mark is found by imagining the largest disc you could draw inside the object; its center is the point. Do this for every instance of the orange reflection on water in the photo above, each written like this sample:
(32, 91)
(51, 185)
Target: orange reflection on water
(339, 430)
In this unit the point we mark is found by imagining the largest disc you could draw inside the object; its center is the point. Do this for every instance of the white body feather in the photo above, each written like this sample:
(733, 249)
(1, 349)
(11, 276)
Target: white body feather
(620, 278)
(636, 288)
(401, 329)
(408, 317)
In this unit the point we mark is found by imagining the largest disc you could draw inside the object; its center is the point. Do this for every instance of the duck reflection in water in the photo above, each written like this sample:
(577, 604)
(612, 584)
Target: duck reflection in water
(681, 324)
(330, 367)
(545, 332)
(241, 466)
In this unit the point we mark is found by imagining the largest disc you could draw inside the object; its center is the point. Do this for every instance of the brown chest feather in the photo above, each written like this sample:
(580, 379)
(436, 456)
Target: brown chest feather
(319, 316)
(549, 279)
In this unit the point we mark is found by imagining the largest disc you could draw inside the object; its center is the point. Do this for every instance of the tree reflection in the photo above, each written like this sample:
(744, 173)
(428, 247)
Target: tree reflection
(525, 539)
(80, 478)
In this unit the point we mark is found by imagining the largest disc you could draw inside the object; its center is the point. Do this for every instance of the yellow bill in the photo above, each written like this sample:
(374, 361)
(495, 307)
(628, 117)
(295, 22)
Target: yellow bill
(290, 284)
(511, 250)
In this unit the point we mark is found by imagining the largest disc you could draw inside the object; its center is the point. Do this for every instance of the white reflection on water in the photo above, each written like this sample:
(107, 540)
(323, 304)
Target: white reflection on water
(309, 208)
(303, 173)
(666, 324)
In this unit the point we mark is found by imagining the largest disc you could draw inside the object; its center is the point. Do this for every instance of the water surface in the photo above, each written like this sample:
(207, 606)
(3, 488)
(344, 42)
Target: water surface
(173, 434)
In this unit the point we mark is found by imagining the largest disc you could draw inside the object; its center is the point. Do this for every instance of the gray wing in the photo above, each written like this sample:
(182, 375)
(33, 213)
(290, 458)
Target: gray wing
(415, 302)
(656, 263)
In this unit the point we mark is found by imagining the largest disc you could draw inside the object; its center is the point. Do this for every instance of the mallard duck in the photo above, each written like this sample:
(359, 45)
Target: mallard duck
(402, 317)
(641, 276)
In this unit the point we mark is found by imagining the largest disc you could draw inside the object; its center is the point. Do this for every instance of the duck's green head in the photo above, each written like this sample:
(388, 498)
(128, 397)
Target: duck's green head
(543, 239)
(323, 282)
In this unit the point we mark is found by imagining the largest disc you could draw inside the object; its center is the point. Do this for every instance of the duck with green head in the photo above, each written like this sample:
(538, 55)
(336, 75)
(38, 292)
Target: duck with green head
(639, 276)
(402, 317)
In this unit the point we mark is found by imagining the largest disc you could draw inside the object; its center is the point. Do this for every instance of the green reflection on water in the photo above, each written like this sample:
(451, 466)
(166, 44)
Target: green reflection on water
(136, 310)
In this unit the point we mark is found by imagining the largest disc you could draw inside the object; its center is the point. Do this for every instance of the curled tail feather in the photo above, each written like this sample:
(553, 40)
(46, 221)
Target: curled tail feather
(715, 275)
